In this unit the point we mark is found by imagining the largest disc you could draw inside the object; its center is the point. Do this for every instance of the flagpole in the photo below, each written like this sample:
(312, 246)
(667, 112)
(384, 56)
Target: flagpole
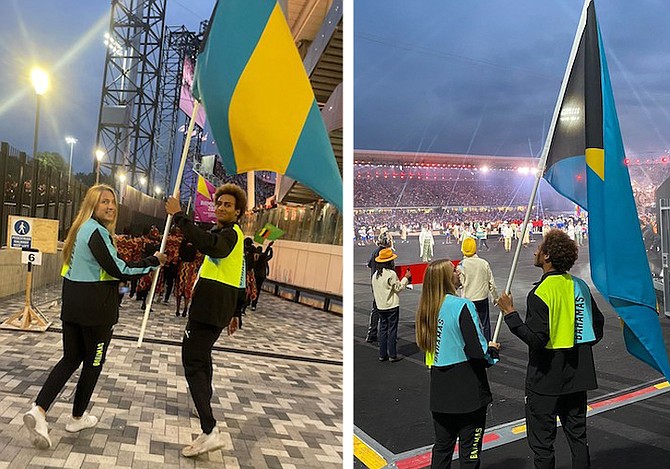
(543, 158)
(168, 221)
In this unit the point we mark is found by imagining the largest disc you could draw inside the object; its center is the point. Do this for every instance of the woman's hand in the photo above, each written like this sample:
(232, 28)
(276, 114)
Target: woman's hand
(162, 258)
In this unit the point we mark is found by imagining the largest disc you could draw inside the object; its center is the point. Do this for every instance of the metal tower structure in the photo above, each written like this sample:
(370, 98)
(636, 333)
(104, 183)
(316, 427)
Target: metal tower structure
(179, 44)
(129, 105)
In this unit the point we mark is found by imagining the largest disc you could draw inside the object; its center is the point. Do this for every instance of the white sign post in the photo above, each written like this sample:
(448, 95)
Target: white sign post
(33, 236)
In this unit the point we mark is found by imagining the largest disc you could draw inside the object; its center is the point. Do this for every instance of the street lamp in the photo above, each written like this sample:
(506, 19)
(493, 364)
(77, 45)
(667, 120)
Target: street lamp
(70, 141)
(99, 155)
(40, 81)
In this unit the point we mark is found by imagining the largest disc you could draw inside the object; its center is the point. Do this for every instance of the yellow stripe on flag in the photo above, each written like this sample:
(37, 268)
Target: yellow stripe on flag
(595, 158)
(271, 101)
(519, 429)
(367, 455)
(202, 187)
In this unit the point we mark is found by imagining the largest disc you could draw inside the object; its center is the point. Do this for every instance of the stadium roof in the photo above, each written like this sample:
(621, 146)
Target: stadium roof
(440, 159)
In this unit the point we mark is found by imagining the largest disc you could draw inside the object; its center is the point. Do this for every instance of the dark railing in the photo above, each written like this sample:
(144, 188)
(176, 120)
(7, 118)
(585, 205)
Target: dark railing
(50, 197)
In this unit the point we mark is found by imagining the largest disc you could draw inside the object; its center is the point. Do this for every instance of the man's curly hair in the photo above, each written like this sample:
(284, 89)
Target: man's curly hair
(562, 251)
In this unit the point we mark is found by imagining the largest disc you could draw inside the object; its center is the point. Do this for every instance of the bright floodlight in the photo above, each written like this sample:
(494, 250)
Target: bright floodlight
(523, 170)
(40, 80)
(99, 154)
(158, 190)
(143, 180)
(71, 140)
(484, 169)
(122, 177)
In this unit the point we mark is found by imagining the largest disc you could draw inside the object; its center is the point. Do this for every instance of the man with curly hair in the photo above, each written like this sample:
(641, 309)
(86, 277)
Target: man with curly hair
(562, 323)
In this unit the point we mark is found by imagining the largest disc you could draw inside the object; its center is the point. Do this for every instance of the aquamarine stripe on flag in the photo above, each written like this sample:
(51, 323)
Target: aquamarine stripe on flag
(239, 26)
(321, 175)
(619, 265)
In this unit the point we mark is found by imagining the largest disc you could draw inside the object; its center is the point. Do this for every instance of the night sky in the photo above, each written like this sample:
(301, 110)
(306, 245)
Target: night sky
(482, 76)
(66, 38)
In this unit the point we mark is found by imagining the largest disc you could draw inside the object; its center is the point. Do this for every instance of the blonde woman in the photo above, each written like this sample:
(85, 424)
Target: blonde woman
(448, 331)
(91, 274)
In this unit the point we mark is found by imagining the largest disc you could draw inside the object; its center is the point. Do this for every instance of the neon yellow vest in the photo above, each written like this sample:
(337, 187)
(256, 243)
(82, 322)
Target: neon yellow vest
(227, 270)
(570, 317)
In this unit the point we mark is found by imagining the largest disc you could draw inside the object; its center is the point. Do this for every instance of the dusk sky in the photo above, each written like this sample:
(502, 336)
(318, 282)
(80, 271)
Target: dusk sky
(482, 76)
(65, 38)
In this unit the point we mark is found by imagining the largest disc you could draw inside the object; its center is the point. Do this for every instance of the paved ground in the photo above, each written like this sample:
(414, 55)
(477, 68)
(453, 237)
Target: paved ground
(391, 399)
(278, 382)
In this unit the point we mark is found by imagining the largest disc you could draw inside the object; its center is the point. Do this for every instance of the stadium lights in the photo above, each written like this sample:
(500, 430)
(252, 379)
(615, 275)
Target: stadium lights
(484, 169)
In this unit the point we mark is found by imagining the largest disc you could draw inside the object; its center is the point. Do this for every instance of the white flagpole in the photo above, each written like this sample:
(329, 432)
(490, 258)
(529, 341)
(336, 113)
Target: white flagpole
(168, 221)
(543, 158)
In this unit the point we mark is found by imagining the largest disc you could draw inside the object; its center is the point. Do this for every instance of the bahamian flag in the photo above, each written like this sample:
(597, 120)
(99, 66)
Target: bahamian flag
(585, 163)
(258, 98)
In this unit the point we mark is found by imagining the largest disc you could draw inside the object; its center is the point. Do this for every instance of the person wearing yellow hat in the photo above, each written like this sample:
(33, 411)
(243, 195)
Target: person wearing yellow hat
(385, 287)
(478, 282)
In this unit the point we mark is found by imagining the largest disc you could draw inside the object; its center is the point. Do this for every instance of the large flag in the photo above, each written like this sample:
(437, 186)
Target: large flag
(258, 98)
(586, 164)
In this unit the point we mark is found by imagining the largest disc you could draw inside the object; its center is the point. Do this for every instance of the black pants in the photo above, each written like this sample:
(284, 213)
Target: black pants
(169, 274)
(373, 324)
(80, 343)
(196, 356)
(541, 412)
(259, 284)
(482, 307)
(468, 428)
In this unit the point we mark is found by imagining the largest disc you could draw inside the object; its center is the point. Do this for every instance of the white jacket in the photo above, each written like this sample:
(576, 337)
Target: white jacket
(477, 279)
(386, 287)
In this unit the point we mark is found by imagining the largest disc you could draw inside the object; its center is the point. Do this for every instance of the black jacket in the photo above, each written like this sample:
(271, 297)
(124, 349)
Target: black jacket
(213, 302)
(463, 387)
(96, 303)
(554, 372)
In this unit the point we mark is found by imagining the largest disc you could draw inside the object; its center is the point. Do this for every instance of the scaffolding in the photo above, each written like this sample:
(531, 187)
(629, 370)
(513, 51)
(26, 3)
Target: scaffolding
(131, 91)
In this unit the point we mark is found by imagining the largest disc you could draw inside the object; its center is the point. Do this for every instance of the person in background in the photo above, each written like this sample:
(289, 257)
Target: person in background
(190, 261)
(385, 287)
(477, 279)
(562, 324)
(261, 270)
(426, 243)
(171, 268)
(215, 304)
(384, 241)
(91, 273)
(448, 332)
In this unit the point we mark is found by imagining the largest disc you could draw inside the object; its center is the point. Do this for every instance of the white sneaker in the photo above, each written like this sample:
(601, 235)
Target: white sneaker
(77, 425)
(36, 423)
(203, 444)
